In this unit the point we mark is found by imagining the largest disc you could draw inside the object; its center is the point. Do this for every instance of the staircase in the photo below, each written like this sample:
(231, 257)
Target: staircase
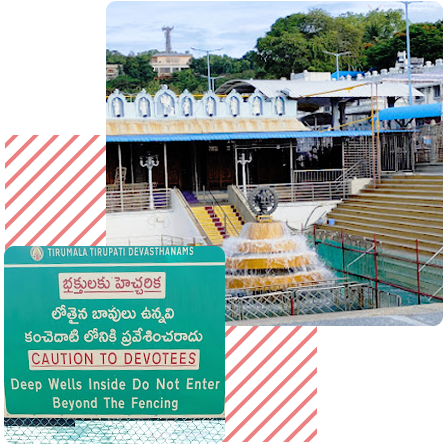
(212, 221)
(190, 197)
(399, 211)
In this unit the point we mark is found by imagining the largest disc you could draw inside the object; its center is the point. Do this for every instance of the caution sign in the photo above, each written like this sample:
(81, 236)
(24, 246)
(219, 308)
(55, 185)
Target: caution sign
(114, 332)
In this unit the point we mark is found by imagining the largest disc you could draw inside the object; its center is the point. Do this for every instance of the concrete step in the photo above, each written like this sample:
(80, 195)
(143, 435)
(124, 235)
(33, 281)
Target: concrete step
(421, 211)
(403, 188)
(426, 167)
(434, 227)
(413, 233)
(414, 191)
(426, 247)
(418, 176)
(391, 198)
(418, 183)
(355, 213)
(397, 202)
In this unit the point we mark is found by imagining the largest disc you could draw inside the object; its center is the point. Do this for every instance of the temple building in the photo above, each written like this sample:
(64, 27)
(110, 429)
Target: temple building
(169, 61)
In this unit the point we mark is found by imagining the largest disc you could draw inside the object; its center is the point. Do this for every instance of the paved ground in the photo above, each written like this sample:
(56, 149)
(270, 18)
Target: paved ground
(417, 315)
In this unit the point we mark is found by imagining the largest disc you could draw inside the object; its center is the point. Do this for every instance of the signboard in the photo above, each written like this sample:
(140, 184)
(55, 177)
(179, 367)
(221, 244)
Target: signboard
(114, 331)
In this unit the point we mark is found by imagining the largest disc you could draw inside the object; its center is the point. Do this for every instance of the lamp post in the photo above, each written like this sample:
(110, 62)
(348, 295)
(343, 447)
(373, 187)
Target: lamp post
(209, 81)
(243, 161)
(150, 162)
(408, 53)
(336, 58)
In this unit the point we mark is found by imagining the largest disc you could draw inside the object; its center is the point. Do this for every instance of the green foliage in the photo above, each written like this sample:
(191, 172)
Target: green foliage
(298, 42)
(426, 40)
(295, 43)
(186, 79)
(138, 67)
(125, 83)
(114, 57)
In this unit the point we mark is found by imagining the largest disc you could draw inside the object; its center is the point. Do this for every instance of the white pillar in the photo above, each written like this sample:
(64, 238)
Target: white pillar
(165, 166)
(236, 165)
(150, 185)
(121, 189)
(243, 163)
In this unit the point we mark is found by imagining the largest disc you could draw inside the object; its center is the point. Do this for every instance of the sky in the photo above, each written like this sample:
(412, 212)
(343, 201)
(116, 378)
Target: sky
(233, 26)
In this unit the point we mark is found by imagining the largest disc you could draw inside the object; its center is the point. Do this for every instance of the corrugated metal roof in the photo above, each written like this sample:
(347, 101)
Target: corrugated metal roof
(348, 89)
(318, 89)
(408, 112)
(233, 136)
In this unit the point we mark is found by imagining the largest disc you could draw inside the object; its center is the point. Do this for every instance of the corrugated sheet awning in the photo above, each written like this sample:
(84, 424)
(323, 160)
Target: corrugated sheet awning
(408, 112)
(299, 89)
(234, 136)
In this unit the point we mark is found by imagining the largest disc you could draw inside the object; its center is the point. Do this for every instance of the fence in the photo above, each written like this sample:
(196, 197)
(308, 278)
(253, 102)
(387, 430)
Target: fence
(157, 240)
(418, 279)
(308, 191)
(122, 431)
(327, 297)
(328, 175)
(229, 227)
(135, 197)
(428, 143)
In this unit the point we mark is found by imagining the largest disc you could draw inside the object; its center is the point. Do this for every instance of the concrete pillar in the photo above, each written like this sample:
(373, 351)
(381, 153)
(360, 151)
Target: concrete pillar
(342, 114)
(165, 166)
(335, 114)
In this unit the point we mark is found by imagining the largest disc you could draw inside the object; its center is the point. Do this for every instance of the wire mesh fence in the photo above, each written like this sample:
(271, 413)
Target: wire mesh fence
(333, 296)
(110, 431)
(417, 279)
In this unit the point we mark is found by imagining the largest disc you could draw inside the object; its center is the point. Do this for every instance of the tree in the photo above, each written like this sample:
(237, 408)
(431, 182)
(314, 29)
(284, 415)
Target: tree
(426, 41)
(298, 42)
(138, 67)
(114, 57)
(125, 84)
(185, 79)
(283, 54)
(382, 25)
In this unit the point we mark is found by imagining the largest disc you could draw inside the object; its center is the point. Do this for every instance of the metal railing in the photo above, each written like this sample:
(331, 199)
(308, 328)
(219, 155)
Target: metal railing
(429, 266)
(192, 216)
(415, 277)
(428, 143)
(306, 300)
(359, 170)
(227, 223)
(308, 191)
(157, 240)
(135, 197)
(174, 240)
(327, 175)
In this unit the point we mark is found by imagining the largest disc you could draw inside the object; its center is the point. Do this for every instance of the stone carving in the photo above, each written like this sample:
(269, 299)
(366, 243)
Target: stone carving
(256, 106)
(279, 106)
(167, 104)
(187, 107)
(210, 106)
(117, 107)
(234, 106)
(144, 107)
(263, 201)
